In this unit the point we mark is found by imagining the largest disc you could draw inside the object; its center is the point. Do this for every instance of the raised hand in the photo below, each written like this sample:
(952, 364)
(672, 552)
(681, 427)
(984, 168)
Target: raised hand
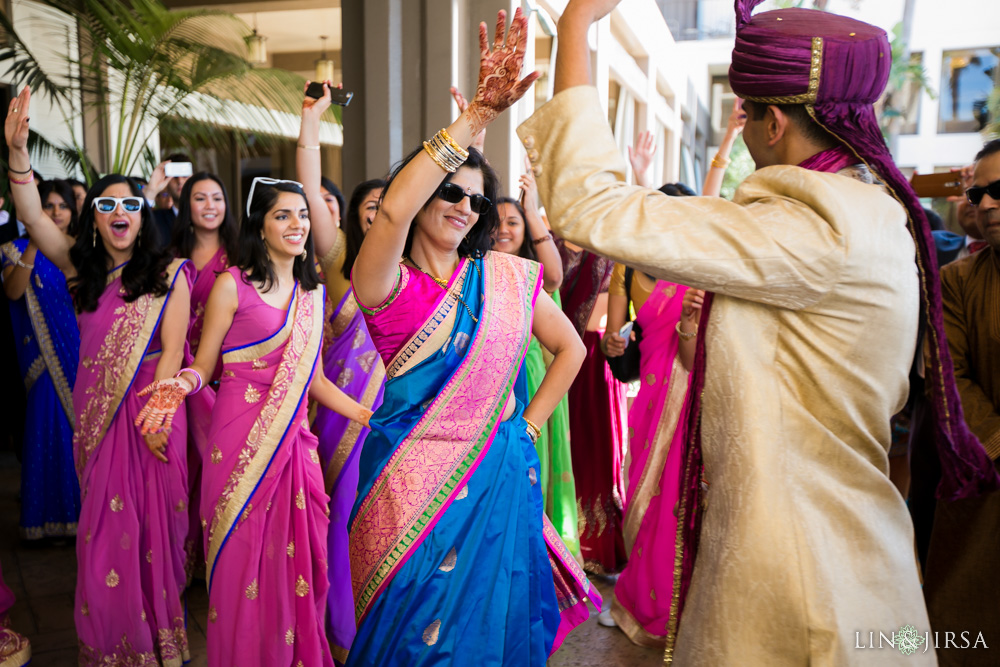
(165, 397)
(317, 107)
(737, 119)
(529, 187)
(641, 156)
(15, 128)
(499, 71)
(479, 143)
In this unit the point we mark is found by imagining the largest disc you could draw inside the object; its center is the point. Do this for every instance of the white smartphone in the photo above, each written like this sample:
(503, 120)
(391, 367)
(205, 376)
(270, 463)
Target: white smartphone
(175, 169)
(626, 331)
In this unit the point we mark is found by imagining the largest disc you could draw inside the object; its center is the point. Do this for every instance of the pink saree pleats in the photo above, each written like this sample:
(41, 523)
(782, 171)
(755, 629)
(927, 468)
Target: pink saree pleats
(133, 518)
(263, 503)
(644, 594)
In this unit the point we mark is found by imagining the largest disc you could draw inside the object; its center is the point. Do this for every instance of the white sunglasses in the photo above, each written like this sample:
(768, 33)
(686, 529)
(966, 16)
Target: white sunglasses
(266, 181)
(109, 204)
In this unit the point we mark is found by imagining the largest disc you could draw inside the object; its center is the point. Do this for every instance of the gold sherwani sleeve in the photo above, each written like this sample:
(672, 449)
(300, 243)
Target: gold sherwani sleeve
(774, 244)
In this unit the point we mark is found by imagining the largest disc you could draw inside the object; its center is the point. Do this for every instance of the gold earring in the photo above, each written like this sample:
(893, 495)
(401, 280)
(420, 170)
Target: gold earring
(305, 254)
(95, 237)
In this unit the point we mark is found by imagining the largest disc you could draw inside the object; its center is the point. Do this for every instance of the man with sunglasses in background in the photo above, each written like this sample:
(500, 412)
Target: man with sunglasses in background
(960, 582)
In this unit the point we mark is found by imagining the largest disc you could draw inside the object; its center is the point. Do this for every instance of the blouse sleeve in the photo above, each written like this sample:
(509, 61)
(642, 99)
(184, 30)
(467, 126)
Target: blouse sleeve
(617, 286)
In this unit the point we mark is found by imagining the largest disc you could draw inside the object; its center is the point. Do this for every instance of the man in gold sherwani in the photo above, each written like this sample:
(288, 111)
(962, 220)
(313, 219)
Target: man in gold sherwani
(806, 551)
(961, 586)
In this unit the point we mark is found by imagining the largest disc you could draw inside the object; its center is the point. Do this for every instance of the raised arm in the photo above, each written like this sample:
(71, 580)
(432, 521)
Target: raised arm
(539, 234)
(717, 170)
(44, 233)
(499, 87)
(308, 169)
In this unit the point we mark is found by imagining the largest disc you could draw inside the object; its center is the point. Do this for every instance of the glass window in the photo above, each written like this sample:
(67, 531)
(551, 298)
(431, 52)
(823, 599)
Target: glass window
(968, 76)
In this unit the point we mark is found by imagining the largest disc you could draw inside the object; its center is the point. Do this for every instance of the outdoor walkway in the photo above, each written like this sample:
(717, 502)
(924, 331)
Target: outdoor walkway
(43, 578)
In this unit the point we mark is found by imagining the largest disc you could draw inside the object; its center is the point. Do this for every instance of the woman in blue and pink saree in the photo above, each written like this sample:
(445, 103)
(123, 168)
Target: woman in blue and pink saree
(452, 558)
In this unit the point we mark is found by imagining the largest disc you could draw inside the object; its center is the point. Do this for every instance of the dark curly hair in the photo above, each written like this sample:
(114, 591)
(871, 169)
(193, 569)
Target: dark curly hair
(65, 190)
(145, 272)
(252, 257)
(527, 249)
(182, 242)
(479, 240)
(351, 225)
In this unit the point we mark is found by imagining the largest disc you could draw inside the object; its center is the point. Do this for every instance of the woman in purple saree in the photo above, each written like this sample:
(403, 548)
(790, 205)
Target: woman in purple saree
(205, 233)
(451, 557)
(263, 501)
(350, 359)
(133, 313)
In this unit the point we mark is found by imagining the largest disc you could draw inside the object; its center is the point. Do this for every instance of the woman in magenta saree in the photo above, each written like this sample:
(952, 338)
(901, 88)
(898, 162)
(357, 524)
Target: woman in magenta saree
(133, 313)
(205, 233)
(451, 557)
(263, 506)
(644, 599)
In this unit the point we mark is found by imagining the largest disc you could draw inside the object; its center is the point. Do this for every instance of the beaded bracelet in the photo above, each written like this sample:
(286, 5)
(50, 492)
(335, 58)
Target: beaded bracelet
(194, 373)
(27, 181)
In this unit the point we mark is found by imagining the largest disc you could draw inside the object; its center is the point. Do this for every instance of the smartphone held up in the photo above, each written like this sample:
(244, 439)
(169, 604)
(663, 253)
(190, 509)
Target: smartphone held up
(339, 96)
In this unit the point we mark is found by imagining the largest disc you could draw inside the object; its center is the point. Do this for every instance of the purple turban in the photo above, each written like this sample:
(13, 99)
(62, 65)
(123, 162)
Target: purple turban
(838, 67)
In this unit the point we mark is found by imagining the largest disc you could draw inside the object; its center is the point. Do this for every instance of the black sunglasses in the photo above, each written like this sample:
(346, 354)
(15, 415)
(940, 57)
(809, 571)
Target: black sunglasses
(453, 193)
(975, 195)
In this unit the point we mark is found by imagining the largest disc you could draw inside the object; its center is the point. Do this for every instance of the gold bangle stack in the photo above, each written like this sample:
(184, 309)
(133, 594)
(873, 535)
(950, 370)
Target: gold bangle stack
(309, 148)
(445, 152)
(720, 162)
(533, 431)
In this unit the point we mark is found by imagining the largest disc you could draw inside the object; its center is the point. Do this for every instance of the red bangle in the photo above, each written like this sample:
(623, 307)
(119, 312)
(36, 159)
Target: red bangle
(28, 181)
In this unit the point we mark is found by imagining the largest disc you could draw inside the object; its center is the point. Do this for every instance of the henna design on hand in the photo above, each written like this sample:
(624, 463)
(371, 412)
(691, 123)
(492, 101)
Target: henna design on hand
(158, 413)
(499, 87)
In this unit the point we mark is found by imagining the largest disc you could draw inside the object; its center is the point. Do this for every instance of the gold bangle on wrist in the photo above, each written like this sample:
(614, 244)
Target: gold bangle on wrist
(720, 162)
(533, 431)
(30, 267)
(464, 154)
(309, 148)
(686, 335)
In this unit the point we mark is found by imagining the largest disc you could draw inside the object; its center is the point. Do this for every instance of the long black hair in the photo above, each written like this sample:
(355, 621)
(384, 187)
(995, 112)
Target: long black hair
(182, 242)
(479, 240)
(351, 225)
(527, 249)
(252, 257)
(145, 272)
(64, 189)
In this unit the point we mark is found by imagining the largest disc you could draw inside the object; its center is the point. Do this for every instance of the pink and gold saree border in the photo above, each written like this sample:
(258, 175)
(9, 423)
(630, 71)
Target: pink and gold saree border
(295, 370)
(116, 364)
(649, 482)
(434, 460)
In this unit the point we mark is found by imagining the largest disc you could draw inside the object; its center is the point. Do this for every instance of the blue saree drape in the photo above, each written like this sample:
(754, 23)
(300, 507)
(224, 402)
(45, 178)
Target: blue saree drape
(467, 577)
(48, 347)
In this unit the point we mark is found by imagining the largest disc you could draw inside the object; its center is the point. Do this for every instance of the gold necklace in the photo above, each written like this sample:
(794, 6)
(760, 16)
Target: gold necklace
(443, 284)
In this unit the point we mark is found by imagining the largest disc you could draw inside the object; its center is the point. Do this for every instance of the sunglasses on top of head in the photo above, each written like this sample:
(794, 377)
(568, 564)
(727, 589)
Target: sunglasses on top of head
(453, 193)
(975, 194)
(109, 204)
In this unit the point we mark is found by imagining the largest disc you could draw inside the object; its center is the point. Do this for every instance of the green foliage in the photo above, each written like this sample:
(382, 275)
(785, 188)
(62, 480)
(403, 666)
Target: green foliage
(907, 80)
(141, 63)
